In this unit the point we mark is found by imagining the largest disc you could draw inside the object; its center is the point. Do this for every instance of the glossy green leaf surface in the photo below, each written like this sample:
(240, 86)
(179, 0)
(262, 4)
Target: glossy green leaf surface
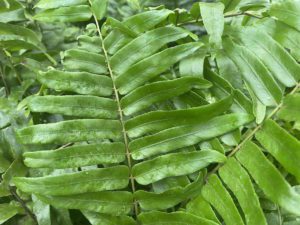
(16, 37)
(287, 12)
(75, 105)
(160, 120)
(267, 177)
(254, 73)
(75, 156)
(76, 183)
(175, 164)
(178, 218)
(137, 23)
(8, 210)
(186, 135)
(144, 46)
(99, 8)
(221, 88)
(50, 4)
(213, 19)
(90, 44)
(65, 14)
(126, 112)
(79, 82)
(13, 13)
(287, 36)
(239, 182)
(154, 65)
(290, 110)
(149, 94)
(73, 130)
(168, 198)
(193, 65)
(278, 61)
(215, 193)
(104, 219)
(200, 207)
(281, 145)
(109, 202)
(84, 61)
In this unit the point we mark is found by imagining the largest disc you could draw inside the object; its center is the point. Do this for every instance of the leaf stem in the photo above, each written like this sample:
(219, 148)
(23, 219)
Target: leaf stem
(116, 93)
(4, 82)
(225, 16)
(23, 204)
(252, 133)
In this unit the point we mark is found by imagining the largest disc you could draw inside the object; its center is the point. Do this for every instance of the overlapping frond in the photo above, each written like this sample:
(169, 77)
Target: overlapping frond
(158, 127)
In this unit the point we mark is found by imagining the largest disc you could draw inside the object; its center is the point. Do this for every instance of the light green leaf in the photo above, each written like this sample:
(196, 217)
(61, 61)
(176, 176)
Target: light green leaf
(76, 183)
(118, 25)
(138, 23)
(99, 8)
(281, 145)
(84, 61)
(147, 95)
(213, 19)
(278, 61)
(231, 4)
(90, 44)
(213, 144)
(215, 193)
(172, 182)
(8, 210)
(104, 219)
(15, 169)
(290, 110)
(255, 74)
(4, 120)
(222, 88)
(76, 156)
(70, 131)
(177, 218)
(79, 82)
(41, 211)
(50, 4)
(186, 135)
(287, 11)
(284, 34)
(15, 37)
(153, 122)
(259, 109)
(193, 65)
(65, 14)
(153, 66)
(175, 164)
(144, 46)
(13, 13)
(229, 71)
(266, 175)
(239, 182)
(201, 208)
(75, 105)
(168, 198)
(109, 202)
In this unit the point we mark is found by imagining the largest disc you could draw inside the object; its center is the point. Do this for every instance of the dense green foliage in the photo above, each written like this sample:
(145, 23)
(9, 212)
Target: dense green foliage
(123, 112)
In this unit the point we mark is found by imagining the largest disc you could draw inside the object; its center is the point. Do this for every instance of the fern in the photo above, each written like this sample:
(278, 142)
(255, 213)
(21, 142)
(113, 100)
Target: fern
(158, 127)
